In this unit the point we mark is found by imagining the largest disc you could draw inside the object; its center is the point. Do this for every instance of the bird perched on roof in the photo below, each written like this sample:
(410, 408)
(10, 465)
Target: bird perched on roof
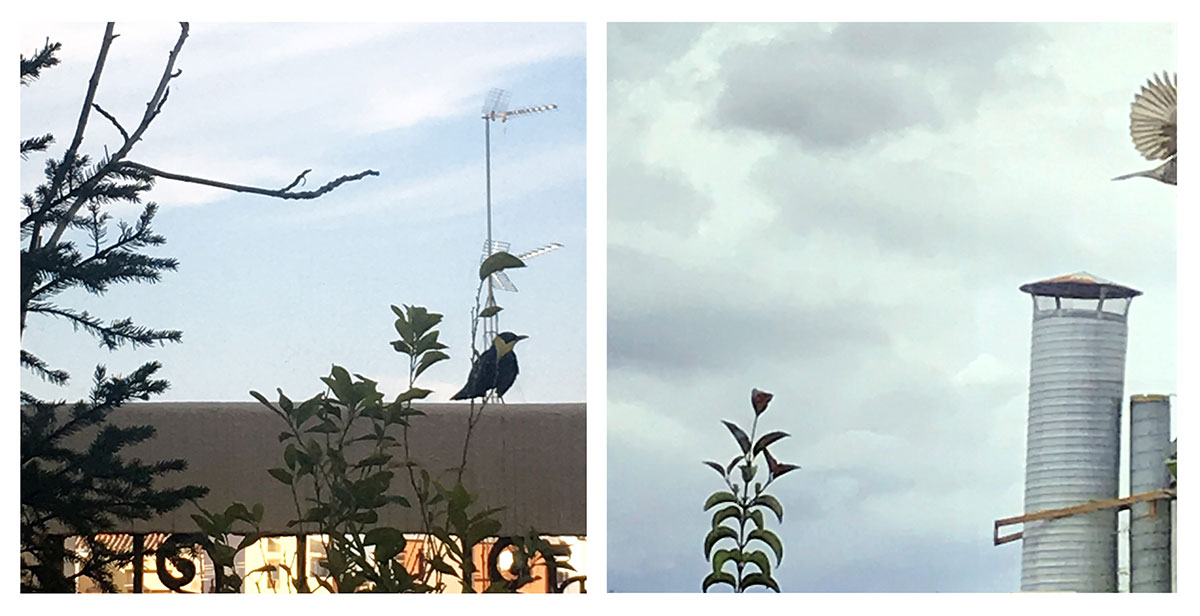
(1152, 125)
(495, 370)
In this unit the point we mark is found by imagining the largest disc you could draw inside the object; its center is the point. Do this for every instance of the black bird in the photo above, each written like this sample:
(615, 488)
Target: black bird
(496, 369)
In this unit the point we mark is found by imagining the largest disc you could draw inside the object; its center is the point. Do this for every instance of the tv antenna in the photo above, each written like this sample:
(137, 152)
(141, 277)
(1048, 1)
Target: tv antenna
(495, 107)
(500, 279)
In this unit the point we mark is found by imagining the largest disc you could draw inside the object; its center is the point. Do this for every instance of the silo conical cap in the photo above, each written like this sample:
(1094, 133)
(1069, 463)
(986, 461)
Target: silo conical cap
(1081, 285)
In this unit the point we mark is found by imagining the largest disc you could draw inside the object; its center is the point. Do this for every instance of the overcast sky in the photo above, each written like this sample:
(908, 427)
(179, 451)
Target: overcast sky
(841, 215)
(269, 293)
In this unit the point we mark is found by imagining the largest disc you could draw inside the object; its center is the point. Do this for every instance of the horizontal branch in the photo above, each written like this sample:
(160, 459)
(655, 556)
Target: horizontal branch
(280, 193)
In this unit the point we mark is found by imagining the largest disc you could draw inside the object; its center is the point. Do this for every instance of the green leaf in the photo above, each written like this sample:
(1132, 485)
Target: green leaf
(757, 517)
(759, 559)
(767, 439)
(205, 525)
(291, 454)
(759, 579)
(742, 440)
(339, 382)
(719, 497)
(770, 502)
(405, 329)
(769, 538)
(285, 402)
(720, 557)
(428, 342)
(718, 578)
(282, 475)
(498, 262)
(482, 530)
(325, 427)
(388, 542)
(748, 472)
(441, 566)
(237, 511)
(428, 360)
(421, 319)
(307, 409)
(248, 541)
(715, 535)
(716, 467)
(267, 403)
(721, 515)
(490, 311)
(378, 459)
(412, 394)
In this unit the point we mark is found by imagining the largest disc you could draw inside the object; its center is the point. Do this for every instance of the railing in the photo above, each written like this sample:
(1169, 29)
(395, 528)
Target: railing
(529, 459)
(180, 565)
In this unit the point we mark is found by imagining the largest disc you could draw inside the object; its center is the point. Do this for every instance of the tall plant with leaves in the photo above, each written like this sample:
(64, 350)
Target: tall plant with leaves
(66, 491)
(739, 530)
(340, 466)
(341, 460)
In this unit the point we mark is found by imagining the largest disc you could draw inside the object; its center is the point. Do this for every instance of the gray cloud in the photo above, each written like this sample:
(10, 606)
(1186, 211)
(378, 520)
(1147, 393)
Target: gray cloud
(641, 50)
(864, 82)
(858, 254)
(661, 197)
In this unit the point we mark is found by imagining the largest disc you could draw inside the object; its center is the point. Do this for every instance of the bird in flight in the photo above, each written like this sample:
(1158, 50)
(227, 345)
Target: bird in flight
(495, 370)
(1152, 126)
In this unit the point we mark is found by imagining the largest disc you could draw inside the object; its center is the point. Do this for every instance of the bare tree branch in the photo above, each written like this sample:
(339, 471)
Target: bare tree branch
(69, 156)
(152, 108)
(114, 121)
(281, 193)
(296, 181)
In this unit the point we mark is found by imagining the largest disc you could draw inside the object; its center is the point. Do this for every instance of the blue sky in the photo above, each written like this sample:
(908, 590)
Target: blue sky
(269, 293)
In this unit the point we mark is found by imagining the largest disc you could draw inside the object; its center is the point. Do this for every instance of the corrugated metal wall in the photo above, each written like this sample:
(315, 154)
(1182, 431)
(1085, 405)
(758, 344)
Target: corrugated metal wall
(1150, 522)
(1076, 387)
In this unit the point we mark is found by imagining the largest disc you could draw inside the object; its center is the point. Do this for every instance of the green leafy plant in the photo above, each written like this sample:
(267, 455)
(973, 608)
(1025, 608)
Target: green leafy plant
(218, 533)
(340, 453)
(739, 518)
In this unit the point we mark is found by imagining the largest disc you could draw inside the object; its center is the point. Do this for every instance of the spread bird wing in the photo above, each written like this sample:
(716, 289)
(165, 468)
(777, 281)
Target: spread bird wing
(1152, 119)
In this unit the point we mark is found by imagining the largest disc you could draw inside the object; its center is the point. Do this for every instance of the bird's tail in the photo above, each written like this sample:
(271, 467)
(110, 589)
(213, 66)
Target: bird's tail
(1139, 174)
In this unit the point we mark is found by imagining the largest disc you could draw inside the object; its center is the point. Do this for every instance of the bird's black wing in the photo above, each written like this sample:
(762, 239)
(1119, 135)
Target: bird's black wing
(482, 377)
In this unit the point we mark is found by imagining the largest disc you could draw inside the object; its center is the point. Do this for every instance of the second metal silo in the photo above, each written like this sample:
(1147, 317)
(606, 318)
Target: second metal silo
(1149, 522)
(1076, 386)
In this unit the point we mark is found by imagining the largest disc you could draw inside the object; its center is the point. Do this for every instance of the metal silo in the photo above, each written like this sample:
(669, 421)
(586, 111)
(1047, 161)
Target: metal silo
(1149, 522)
(1076, 386)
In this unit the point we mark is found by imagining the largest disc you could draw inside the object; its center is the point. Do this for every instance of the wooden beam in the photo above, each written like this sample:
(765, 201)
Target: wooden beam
(1063, 512)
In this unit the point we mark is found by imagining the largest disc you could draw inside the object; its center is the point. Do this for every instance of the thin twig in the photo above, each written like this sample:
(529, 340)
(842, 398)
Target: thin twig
(114, 121)
(298, 179)
(280, 193)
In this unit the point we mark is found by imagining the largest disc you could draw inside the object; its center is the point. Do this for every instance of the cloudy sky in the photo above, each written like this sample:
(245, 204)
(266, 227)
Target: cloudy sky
(842, 214)
(269, 293)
